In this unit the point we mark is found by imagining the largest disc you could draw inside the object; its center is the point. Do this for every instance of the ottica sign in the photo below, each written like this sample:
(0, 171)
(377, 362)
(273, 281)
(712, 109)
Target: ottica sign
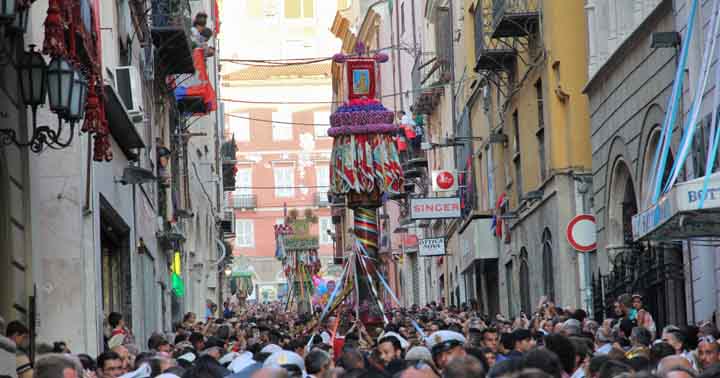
(435, 208)
(432, 247)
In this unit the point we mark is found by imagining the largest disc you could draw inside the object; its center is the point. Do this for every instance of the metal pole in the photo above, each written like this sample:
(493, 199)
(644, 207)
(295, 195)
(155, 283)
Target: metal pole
(357, 288)
(583, 188)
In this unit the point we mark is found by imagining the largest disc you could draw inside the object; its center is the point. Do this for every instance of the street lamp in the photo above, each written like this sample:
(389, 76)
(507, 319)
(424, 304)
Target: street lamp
(33, 76)
(8, 8)
(78, 97)
(228, 271)
(20, 22)
(59, 76)
(67, 92)
(7, 11)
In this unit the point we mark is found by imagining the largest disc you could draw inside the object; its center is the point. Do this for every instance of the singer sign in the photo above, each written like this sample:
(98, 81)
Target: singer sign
(435, 208)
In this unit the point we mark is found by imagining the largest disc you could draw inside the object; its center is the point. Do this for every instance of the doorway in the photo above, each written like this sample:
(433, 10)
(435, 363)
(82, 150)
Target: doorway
(115, 268)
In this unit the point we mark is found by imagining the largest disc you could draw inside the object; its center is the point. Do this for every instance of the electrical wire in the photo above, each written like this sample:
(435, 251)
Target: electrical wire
(283, 187)
(202, 186)
(279, 102)
(302, 61)
(406, 92)
(286, 63)
(278, 122)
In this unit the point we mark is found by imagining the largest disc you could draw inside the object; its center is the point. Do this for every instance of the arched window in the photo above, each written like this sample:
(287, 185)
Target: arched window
(547, 258)
(524, 281)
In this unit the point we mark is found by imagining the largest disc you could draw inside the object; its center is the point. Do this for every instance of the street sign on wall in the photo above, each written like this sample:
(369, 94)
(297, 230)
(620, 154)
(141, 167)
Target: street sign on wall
(444, 180)
(435, 208)
(582, 233)
(432, 247)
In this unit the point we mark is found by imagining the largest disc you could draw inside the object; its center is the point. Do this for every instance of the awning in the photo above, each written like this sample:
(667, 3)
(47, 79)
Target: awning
(677, 216)
(477, 241)
(121, 127)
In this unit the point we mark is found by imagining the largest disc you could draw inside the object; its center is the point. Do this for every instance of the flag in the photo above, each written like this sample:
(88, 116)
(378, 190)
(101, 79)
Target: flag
(178, 286)
(497, 223)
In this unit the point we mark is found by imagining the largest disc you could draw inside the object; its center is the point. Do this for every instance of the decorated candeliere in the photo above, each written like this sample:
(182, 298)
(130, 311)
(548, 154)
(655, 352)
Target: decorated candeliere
(297, 250)
(366, 164)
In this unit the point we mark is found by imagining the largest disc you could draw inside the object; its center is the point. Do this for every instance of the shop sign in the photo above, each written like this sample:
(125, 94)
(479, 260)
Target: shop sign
(435, 208)
(645, 222)
(678, 215)
(444, 180)
(410, 243)
(301, 243)
(432, 247)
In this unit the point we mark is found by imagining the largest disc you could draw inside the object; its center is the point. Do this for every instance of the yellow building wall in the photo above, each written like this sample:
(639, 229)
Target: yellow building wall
(563, 72)
(565, 33)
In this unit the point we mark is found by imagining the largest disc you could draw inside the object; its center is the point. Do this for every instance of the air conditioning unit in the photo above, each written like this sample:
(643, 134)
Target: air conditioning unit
(129, 87)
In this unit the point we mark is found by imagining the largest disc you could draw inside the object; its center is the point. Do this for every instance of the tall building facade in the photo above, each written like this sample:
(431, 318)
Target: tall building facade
(532, 55)
(278, 116)
(497, 89)
(95, 221)
(632, 71)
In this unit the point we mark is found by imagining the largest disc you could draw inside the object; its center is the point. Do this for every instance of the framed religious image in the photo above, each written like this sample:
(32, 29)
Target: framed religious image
(361, 79)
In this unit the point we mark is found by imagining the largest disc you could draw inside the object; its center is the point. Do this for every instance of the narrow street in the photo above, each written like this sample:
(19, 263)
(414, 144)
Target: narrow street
(359, 188)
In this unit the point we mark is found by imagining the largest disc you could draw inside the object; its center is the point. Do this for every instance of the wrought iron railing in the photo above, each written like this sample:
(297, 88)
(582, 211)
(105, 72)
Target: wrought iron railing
(502, 8)
(243, 201)
(639, 270)
(485, 25)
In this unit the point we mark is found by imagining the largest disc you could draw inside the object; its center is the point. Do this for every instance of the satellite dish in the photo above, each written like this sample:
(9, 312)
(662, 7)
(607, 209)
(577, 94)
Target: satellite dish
(135, 175)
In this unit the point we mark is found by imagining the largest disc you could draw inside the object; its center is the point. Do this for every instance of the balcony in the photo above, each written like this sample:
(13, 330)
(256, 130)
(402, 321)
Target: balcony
(196, 95)
(515, 18)
(491, 54)
(321, 199)
(243, 201)
(226, 223)
(170, 30)
(428, 76)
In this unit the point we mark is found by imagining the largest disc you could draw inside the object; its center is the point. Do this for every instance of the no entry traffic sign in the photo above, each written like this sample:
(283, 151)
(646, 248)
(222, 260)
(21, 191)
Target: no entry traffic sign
(582, 233)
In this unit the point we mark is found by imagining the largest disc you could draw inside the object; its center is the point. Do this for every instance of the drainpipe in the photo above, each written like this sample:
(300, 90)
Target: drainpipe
(583, 185)
(397, 48)
(451, 15)
(415, 43)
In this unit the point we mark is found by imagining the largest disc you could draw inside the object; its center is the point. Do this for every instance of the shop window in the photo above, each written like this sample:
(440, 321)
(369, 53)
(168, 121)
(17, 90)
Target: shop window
(524, 281)
(548, 276)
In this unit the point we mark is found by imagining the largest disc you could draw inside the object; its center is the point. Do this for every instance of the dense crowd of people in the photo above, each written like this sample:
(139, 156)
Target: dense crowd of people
(261, 341)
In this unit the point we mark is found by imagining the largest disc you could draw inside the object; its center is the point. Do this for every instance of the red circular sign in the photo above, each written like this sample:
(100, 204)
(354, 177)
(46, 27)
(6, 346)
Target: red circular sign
(582, 234)
(445, 180)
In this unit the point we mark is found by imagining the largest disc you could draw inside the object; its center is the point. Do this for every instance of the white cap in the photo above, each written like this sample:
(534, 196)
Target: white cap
(228, 357)
(244, 360)
(403, 343)
(143, 372)
(271, 348)
(443, 340)
(325, 336)
(285, 357)
(189, 357)
(167, 375)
